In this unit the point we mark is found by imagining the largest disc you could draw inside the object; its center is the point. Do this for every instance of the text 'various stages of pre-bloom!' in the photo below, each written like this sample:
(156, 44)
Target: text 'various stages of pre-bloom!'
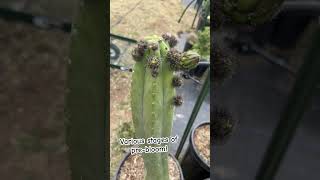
(149, 141)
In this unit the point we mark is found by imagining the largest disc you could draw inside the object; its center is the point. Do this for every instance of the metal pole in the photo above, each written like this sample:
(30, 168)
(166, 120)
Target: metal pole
(123, 38)
(195, 16)
(299, 100)
(196, 108)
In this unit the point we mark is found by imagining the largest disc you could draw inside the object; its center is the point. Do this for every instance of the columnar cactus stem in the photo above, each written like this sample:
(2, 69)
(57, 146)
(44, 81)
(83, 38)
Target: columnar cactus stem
(86, 98)
(153, 96)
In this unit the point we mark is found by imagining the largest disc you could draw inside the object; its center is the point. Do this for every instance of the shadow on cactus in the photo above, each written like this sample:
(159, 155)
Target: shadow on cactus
(153, 94)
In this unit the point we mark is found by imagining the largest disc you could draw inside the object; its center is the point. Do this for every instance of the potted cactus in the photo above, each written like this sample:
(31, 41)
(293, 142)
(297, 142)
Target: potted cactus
(153, 98)
(196, 162)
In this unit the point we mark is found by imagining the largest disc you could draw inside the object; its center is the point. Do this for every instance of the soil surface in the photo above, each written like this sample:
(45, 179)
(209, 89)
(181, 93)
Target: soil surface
(139, 18)
(202, 142)
(120, 113)
(133, 169)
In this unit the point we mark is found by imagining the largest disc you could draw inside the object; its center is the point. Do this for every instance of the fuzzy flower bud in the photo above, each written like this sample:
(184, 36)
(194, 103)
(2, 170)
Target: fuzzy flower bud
(189, 60)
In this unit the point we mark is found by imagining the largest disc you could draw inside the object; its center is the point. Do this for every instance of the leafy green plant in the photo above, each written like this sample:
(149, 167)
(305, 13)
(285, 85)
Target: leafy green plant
(153, 94)
(202, 45)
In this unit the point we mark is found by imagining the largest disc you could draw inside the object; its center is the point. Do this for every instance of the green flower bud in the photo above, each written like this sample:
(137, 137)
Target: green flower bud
(189, 60)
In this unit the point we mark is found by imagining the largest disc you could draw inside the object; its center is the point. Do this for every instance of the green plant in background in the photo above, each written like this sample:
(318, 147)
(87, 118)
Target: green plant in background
(202, 45)
(153, 94)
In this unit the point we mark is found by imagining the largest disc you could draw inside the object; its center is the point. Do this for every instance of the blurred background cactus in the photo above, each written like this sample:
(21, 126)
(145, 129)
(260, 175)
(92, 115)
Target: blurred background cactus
(269, 39)
(251, 12)
(233, 12)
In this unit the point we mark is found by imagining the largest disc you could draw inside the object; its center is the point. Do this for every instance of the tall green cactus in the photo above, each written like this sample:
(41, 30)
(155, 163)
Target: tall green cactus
(153, 94)
(86, 97)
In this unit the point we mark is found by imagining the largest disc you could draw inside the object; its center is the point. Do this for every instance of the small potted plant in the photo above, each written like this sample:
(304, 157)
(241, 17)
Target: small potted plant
(196, 162)
(153, 98)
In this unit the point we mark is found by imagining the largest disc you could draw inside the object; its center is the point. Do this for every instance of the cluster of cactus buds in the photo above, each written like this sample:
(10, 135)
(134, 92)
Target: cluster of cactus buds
(153, 95)
(171, 39)
(154, 64)
(222, 125)
(177, 101)
(177, 60)
(174, 57)
(223, 65)
(177, 81)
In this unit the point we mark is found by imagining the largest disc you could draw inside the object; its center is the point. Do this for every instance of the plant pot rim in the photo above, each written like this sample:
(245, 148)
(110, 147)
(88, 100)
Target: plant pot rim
(196, 153)
(129, 154)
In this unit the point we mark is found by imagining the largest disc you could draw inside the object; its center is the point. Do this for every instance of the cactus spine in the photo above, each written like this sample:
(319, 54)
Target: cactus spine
(153, 96)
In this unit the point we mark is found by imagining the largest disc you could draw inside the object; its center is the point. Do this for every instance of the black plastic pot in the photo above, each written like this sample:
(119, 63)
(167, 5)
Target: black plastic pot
(199, 70)
(127, 156)
(193, 165)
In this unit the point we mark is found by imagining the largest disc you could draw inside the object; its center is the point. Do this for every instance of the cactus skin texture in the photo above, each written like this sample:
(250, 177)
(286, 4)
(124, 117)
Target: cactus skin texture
(152, 96)
(251, 12)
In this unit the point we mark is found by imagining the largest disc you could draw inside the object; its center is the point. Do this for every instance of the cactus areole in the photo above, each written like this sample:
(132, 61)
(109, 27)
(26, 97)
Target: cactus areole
(153, 95)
